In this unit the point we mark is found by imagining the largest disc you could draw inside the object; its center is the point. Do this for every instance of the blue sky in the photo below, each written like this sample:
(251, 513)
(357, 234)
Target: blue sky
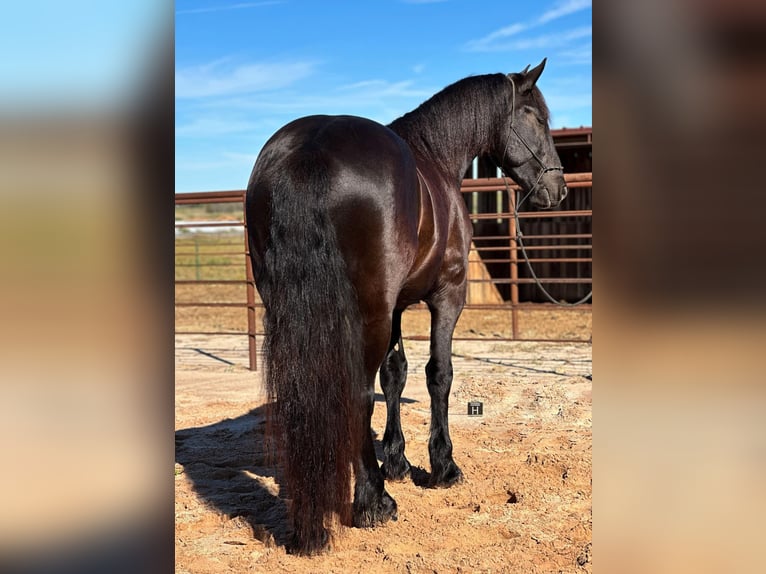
(244, 69)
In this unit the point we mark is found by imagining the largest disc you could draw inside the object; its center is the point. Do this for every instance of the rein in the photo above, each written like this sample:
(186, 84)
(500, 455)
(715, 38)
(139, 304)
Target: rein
(544, 169)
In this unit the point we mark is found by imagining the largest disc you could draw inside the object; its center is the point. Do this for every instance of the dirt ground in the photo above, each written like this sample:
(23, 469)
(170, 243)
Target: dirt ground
(525, 504)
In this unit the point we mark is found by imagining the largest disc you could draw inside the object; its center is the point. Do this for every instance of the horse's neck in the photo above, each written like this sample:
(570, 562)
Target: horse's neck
(450, 152)
(450, 161)
(448, 138)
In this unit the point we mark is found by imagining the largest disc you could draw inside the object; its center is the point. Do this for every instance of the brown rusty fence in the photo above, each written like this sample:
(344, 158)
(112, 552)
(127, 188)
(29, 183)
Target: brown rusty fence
(214, 275)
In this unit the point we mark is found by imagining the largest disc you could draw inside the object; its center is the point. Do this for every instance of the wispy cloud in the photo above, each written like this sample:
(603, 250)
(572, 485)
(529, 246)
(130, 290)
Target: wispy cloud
(496, 41)
(563, 9)
(220, 78)
(542, 41)
(377, 99)
(569, 97)
(217, 159)
(214, 126)
(384, 88)
(567, 101)
(486, 43)
(236, 157)
(226, 7)
(548, 40)
(578, 55)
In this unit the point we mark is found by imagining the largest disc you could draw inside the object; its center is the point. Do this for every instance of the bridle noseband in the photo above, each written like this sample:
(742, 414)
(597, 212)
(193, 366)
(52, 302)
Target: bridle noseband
(543, 168)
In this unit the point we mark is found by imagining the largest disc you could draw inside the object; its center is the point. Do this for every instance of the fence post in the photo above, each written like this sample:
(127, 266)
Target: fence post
(514, 264)
(250, 289)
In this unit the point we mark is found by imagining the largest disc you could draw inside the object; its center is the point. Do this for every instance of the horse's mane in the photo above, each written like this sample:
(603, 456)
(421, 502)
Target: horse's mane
(463, 114)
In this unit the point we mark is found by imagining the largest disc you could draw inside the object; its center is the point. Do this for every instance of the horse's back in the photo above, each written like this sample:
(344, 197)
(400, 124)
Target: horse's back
(336, 143)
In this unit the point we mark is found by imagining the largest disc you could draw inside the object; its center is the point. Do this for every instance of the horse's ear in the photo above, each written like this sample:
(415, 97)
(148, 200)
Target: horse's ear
(531, 77)
(518, 76)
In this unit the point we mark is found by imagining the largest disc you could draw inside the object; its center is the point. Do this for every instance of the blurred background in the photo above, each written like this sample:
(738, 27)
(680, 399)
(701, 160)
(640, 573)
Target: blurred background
(86, 182)
(679, 435)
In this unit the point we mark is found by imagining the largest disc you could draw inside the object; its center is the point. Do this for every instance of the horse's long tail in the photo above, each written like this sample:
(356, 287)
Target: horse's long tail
(313, 352)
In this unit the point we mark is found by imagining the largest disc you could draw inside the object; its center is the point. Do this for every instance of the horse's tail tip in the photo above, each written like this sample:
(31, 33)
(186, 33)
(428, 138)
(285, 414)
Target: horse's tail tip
(312, 545)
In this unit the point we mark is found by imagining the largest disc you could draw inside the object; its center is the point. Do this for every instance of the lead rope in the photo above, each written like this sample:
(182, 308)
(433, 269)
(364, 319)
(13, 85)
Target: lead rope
(517, 205)
(520, 241)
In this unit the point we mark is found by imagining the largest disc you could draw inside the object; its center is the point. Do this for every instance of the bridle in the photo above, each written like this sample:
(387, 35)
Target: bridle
(519, 235)
(543, 168)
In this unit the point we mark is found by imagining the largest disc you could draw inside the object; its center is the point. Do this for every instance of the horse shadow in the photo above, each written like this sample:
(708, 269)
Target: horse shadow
(233, 470)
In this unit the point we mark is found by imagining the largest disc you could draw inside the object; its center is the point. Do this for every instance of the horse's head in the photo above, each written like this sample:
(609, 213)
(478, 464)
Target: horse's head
(524, 147)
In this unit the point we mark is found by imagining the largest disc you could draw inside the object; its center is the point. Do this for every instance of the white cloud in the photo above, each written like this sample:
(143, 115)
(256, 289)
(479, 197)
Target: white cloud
(212, 126)
(221, 79)
(240, 158)
(485, 43)
(384, 88)
(240, 6)
(578, 55)
(546, 41)
(543, 41)
(563, 9)
(496, 41)
(218, 159)
(568, 101)
(378, 99)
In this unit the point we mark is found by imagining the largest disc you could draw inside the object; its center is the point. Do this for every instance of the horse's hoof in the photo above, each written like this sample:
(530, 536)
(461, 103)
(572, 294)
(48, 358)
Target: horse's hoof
(447, 477)
(384, 511)
(396, 472)
(389, 508)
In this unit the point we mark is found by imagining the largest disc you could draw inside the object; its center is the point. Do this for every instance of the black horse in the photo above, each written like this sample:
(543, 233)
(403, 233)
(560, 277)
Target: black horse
(349, 223)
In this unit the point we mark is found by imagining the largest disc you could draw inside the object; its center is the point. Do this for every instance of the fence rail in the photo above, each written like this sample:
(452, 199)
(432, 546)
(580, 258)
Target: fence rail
(497, 250)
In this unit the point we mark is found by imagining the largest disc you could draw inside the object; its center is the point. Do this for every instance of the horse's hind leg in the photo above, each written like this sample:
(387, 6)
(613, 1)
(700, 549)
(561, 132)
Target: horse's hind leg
(372, 504)
(393, 377)
(445, 306)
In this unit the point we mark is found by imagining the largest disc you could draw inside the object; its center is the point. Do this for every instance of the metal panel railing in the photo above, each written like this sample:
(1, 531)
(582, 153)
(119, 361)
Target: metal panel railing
(214, 254)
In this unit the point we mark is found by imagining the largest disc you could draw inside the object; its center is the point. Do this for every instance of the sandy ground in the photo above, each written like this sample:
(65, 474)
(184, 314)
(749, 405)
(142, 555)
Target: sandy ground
(525, 505)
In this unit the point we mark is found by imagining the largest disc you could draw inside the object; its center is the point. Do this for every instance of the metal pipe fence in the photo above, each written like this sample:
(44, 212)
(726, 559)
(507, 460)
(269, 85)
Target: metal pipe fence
(212, 256)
